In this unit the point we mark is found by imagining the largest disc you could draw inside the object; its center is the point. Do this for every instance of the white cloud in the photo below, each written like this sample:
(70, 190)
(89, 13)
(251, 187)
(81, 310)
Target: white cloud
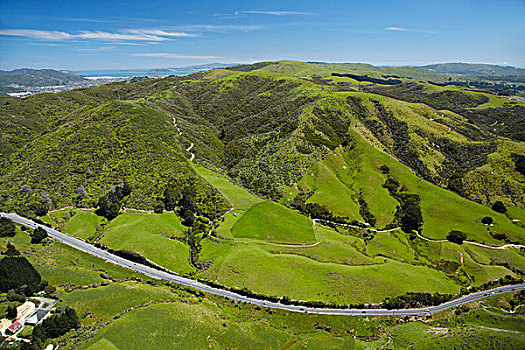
(127, 35)
(397, 29)
(173, 55)
(160, 33)
(400, 29)
(102, 48)
(276, 13)
(222, 28)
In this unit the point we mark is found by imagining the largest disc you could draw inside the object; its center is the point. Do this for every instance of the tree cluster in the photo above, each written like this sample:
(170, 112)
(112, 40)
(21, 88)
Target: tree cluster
(408, 213)
(39, 234)
(17, 273)
(499, 207)
(7, 227)
(456, 236)
(415, 300)
(55, 326)
(365, 211)
(315, 210)
(109, 204)
(11, 250)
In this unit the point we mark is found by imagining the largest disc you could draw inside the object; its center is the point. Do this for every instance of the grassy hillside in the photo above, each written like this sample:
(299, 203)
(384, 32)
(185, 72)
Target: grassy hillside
(268, 221)
(282, 143)
(126, 310)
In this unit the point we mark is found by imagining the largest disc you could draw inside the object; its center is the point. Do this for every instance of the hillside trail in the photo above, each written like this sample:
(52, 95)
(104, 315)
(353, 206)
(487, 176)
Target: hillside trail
(519, 246)
(361, 228)
(192, 155)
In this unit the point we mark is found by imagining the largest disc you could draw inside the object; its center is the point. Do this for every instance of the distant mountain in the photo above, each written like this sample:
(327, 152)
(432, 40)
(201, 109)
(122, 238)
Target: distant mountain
(200, 67)
(37, 77)
(474, 69)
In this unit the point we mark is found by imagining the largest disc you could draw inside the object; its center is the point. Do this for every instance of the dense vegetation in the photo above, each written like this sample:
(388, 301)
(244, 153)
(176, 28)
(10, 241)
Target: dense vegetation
(55, 326)
(17, 273)
(379, 170)
(7, 227)
(507, 120)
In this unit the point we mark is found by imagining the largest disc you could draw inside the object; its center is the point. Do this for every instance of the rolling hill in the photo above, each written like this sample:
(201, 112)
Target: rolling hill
(348, 183)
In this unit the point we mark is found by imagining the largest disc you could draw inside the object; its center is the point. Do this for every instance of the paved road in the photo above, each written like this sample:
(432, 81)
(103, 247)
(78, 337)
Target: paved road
(88, 248)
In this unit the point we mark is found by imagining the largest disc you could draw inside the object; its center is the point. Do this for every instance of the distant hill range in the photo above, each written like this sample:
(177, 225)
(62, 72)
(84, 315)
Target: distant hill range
(196, 68)
(38, 77)
(474, 69)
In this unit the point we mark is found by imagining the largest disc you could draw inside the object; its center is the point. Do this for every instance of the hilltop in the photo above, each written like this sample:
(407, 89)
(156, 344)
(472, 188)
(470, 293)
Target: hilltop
(474, 69)
(37, 77)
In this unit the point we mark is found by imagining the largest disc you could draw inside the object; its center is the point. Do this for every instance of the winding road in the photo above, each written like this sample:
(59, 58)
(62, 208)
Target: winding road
(148, 271)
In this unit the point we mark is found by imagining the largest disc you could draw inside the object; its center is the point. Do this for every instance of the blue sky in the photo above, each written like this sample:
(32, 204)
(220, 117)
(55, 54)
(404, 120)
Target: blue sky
(82, 35)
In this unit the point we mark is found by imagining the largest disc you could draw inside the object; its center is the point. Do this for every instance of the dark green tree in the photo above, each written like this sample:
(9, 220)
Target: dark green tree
(411, 218)
(487, 220)
(159, 208)
(499, 207)
(188, 218)
(11, 250)
(456, 236)
(7, 228)
(17, 271)
(11, 312)
(38, 235)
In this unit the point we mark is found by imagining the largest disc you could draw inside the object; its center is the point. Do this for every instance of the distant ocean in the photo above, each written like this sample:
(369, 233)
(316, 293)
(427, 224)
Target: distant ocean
(123, 74)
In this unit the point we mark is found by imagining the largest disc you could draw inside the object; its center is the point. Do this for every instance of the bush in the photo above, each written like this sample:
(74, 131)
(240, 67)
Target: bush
(487, 220)
(457, 237)
(499, 207)
(50, 290)
(11, 312)
(159, 208)
(384, 169)
(7, 227)
(38, 235)
(11, 250)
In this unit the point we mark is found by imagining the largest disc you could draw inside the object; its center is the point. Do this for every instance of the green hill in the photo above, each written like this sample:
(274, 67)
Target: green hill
(474, 69)
(37, 77)
(349, 165)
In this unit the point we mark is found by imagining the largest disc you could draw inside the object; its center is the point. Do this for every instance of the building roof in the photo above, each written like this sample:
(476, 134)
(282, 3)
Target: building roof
(14, 326)
(36, 317)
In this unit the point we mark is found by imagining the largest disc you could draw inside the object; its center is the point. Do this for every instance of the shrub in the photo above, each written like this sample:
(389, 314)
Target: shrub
(38, 235)
(7, 227)
(11, 250)
(499, 207)
(11, 312)
(457, 237)
(487, 220)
